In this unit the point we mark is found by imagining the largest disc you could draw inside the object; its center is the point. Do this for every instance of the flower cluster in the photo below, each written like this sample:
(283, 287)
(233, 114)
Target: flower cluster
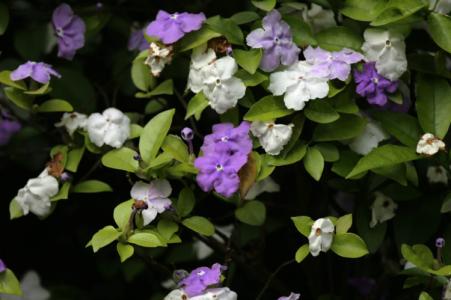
(225, 152)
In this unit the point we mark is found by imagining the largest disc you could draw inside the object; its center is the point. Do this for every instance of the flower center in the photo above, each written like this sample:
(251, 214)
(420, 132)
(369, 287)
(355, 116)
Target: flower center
(225, 139)
(276, 40)
(270, 125)
(385, 204)
(430, 141)
(375, 80)
(318, 231)
(218, 81)
(200, 273)
(388, 43)
(174, 16)
(59, 32)
(219, 167)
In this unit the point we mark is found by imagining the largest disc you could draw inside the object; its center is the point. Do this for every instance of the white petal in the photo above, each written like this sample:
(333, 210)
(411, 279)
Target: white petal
(31, 287)
(73, 121)
(149, 214)
(160, 204)
(217, 294)
(226, 67)
(140, 191)
(178, 294)
(97, 127)
(279, 82)
(160, 188)
(369, 139)
(275, 138)
(382, 209)
(437, 174)
(296, 96)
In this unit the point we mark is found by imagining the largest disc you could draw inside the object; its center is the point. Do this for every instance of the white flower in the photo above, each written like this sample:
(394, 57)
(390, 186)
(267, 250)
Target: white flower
(437, 174)
(73, 121)
(382, 209)
(298, 85)
(36, 194)
(388, 50)
(111, 128)
(210, 294)
(321, 236)
(319, 18)
(155, 195)
(369, 139)
(440, 6)
(158, 58)
(273, 137)
(429, 144)
(266, 185)
(31, 289)
(200, 58)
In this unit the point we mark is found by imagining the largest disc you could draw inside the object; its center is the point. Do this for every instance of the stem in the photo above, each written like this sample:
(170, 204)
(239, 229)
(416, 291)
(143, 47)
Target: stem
(271, 277)
(183, 102)
(90, 171)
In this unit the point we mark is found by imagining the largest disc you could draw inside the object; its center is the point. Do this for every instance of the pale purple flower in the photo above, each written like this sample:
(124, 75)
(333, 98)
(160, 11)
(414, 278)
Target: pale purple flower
(201, 278)
(236, 138)
(187, 134)
(69, 30)
(292, 296)
(38, 71)
(276, 40)
(137, 41)
(170, 28)
(332, 65)
(373, 86)
(440, 242)
(2, 266)
(8, 127)
(66, 176)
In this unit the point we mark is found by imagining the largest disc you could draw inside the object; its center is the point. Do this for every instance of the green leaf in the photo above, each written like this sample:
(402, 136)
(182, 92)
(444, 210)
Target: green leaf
(74, 157)
(167, 228)
(248, 60)
(197, 38)
(346, 127)
(266, 5)
(154, 134)
(160, 161)
(321, 112)
(122, 213)
(383, 156)
(63, 192)
(196, 106)
(337, 38)
(44, 89)
(329, 151)
(155, 105)
(303, 224)
(419, 255)
(397, 10)
(141, 76)
(440, 30)
(302, 33)
(349, 245)
(227, 28)
(4, 19)
(244, 17)
(403, 127)
(200, 225)
(121, 159)
(363, 10)
(314, 163)
(348, 160)
(104, 237)
(91, 186)
(176, 147)
(433, 105)
(372, 236)
(294, 155)
(251, 79)
(146, 239)
(55, 105)
(6, 80)
(343, 224)
(302, 253)
(186, 202)
(19, 98)
(15, 210)
(267, 108)
(9, 284)
(125, 251)
(252, 213)
(135, 131)
(446, 205)
(164, 88)
(425, 296)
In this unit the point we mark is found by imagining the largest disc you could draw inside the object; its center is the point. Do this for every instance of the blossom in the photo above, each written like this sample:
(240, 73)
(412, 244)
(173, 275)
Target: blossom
(440, 242)
(273, 137)
(31, 288)
(35, 195)
(69, 30)
(276, 40)
(155, 195)
(388, 50)
(137, 41)
(318, 17)
(8, 127)
(437, 174)
(298, 84)
(373, 86)
(292, 296)
(187, 134)
(73, 121)
(382, 209)
(209, 294)
(2, 266)
(235, 138)
(369, 139)
(321, 236)
(169, 28)
(429, 144)
(201, 278)
(111, 128)
(332, 65)
(440, 6)
(158, 58)
(38, 71)
(266, 185)
(200, 58)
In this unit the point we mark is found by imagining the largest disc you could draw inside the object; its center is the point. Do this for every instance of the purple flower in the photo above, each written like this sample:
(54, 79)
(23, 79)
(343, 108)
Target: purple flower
(137, 41)
(276, 40)
(237, 139)
(373, 86)
(440, 242)
(39, 71)
(170, 28)
(69, 30)
(8, 127)
(2, 266)
(331, 65)
(187, 134)
(292, 296)
(201, 278)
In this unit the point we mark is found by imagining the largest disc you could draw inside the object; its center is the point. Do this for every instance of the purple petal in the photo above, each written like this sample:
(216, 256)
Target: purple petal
(227, 184)
(260, 38)
(340, 70)
(23, 71)
(270, 60)
(190, 22)
(272, 18)
(62, 15)
(290, 55)
(379, 98)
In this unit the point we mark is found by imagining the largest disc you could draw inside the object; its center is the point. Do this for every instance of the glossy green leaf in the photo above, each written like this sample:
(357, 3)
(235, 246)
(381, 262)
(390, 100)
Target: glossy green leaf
(91, 186)
(6, 80)
(63, 192)
(267, 108)
(227, 28)
(9, 284)
(296, 153)
(44, 89)
(252, 213)
(186, 202)
(74, 157)
(314, 163)
(403, 127)
(251, 79)
(200, 225)
(167, 228)
(329, 151)
(164, 88)
(425, 296)
(346, 127)
(337, 38)
(440, 30)
(244, 17)
(302, 253)
(349, 245)
(121, 159)
(303, 224)
(176, 147)
(196, 106)
(125, 251)
(248, 60)
(55, 105)
(122, 213)
(104, 237)
(397, 10)
(302, 33)
(197, 38)
(266, 5)
(146, 239)
(363, 10)
(15, 210)
(141, 76)
(343, 224)
(321, 112)
(19, 98)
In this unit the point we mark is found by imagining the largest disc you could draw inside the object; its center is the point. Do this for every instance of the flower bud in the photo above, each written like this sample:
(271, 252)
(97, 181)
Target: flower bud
(187, 134)
(440, 242)
(2, 266)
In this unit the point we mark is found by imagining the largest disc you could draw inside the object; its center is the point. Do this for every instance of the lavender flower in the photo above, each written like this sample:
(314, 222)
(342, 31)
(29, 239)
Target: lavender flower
(201, 278)
(292, 296)
(333, 65)
(276, 40)
(8, 127)
(373, 86)
(69, 30)
(137, 41)
(170, 28)
(2, 266)
(440, 242)
(187, 134)
(237, 139)
(38, 71)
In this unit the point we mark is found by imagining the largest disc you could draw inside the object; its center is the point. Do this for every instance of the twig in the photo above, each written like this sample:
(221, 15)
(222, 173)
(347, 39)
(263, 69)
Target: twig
(271, 277)
(183, 102)
(90, 171)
